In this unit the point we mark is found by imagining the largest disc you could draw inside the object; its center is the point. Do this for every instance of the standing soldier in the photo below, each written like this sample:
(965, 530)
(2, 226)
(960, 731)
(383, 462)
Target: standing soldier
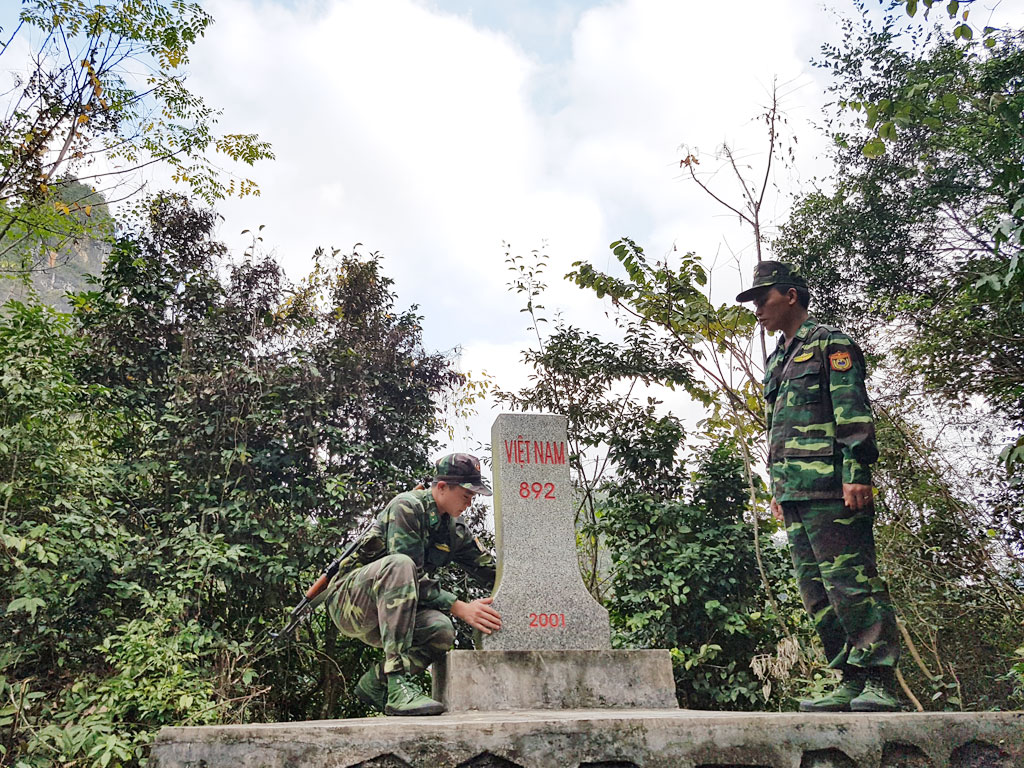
(821, 446)
(385, 593)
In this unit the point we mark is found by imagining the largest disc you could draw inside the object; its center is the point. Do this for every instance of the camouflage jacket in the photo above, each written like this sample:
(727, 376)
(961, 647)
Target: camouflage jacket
(412, 525)
(820, 430)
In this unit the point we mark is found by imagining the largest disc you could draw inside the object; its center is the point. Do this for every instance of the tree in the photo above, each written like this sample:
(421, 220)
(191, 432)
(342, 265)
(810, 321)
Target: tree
(685, 571)
(591, 381)
(918, 230)
(102, 97)
(958, 12)
(957, 102)
(201, 438)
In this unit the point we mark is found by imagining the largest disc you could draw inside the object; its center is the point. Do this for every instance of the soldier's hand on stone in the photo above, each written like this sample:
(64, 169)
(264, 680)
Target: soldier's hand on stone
(776, 509)
(478, 614)
(857, 496)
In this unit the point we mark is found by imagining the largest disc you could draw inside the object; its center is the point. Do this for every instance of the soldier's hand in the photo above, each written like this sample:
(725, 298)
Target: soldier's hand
(776, 509)
(478, 614)
(857, 496)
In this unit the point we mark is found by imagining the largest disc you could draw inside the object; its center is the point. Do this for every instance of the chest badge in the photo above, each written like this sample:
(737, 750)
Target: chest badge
(840, 361)
(443, 547)
(803, 358)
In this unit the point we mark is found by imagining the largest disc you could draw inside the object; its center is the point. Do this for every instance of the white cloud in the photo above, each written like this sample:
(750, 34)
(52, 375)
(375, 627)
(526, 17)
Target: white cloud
(393, 126)
(433, 140)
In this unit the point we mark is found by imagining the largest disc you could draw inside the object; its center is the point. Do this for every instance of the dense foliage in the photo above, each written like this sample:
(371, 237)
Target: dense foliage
(685, 577)
(913, 232)
(180, 456)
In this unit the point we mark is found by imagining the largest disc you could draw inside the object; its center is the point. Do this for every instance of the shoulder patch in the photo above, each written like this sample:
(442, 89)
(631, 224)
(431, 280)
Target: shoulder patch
(803, 358)
(840, 361)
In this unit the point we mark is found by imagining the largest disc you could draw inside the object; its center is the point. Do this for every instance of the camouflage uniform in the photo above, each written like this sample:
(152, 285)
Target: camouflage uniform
(821, 435)
(385, 593)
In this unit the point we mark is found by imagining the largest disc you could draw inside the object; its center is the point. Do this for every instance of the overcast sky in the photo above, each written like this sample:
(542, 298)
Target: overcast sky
(433, 131)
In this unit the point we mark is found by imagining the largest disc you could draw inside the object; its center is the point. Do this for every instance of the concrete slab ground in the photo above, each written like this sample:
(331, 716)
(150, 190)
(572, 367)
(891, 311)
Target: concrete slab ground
(517, 680)
(657, 738)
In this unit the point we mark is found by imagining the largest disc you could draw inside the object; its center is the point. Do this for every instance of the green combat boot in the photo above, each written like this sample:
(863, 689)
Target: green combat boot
(404, 699)
(877, 695)
(372, 688)
(839, 698)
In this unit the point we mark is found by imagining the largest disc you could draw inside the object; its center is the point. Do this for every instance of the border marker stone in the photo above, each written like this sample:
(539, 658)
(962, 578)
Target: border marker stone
(553, 650)
(539, 591)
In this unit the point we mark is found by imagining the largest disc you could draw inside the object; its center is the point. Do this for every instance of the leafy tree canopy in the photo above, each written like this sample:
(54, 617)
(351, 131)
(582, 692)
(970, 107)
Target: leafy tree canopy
(100, 96)
(179, 459)
(916, 244)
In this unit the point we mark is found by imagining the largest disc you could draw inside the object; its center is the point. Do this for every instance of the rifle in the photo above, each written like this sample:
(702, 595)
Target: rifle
(317, 593)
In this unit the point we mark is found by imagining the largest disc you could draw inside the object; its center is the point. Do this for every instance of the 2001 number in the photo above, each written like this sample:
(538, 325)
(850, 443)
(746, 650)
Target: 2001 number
(547, 619)
(536, 489)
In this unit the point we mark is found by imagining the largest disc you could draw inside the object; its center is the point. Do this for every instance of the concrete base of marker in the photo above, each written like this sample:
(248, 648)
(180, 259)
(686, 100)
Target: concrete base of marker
(518, 680)
(608, 738)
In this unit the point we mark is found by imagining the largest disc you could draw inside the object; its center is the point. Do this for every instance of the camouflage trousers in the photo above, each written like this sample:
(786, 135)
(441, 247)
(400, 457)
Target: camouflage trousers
(378, 605)
(833, 550)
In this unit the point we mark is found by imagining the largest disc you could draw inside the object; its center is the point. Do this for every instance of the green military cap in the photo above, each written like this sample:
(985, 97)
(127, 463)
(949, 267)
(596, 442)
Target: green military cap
(769, 273)
(461, 469)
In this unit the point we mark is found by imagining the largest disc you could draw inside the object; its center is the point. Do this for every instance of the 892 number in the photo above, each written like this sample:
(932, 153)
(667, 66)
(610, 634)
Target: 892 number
(526, 490)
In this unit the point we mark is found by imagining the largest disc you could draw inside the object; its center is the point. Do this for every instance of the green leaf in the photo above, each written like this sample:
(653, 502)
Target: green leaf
(28, 604)
(874, 148)
(872, 118)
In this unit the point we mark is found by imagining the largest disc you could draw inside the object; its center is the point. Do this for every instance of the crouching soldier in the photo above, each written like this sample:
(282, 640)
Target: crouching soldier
(385, 593)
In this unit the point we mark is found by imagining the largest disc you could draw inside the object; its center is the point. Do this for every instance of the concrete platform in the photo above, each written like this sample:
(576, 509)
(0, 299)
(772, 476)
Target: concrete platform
(496, 681)
(608, 739)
